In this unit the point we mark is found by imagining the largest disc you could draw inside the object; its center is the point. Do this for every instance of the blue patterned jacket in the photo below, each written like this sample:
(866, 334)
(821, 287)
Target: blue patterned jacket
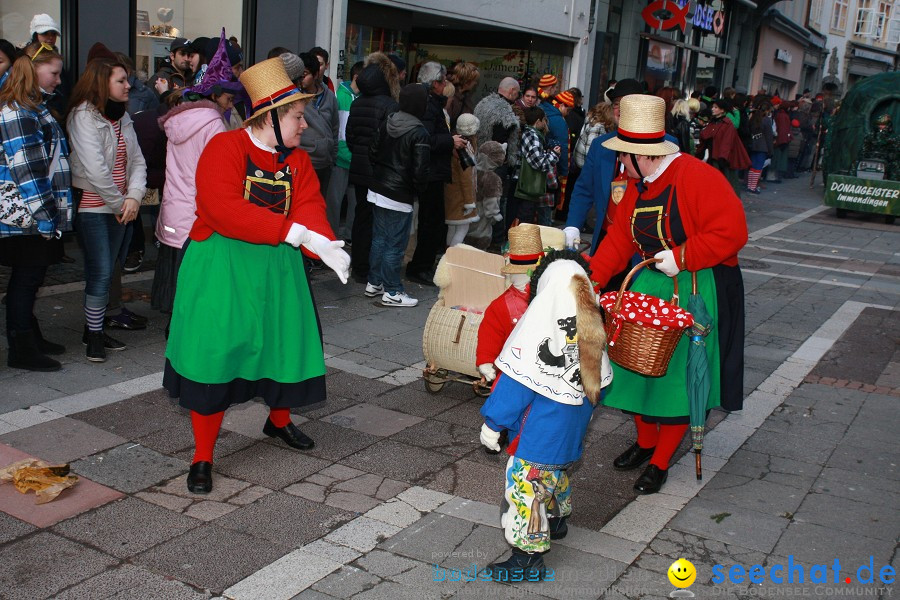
(28, 140)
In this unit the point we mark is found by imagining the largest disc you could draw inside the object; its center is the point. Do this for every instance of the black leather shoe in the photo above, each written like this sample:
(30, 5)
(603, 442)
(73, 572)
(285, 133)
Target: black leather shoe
(421, 277)
(558, 527)
(651, 480)
(290, 435)
(632, 458)
(199, 479)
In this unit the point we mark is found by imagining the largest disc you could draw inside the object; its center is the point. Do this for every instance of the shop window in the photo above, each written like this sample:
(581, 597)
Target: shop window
(493, 64)
(17, 14)
(865, 19)
(159, 22)
(362, 40)
(839, 16)
(661, 65)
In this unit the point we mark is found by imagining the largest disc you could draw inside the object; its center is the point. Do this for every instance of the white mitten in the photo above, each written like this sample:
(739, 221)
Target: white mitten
(668, 264)
(490, 439)
(488, 370)
(331, 254)
(573, 237)
(298, 234)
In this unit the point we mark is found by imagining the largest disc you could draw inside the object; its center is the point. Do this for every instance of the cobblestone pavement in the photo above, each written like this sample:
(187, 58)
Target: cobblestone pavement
(398, 500)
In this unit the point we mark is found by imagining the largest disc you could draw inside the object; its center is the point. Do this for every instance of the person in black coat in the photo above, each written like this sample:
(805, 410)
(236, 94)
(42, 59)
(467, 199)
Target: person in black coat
(432, 231)
(400, 156)
(379, 90)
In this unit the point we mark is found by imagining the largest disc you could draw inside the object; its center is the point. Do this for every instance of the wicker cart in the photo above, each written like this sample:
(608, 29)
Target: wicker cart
(470, 279)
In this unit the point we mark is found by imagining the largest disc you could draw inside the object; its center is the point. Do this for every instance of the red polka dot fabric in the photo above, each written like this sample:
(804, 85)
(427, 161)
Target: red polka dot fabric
(647, 311)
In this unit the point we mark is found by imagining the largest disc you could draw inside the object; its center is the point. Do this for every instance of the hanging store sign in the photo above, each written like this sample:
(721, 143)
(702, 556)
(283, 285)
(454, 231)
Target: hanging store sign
(666, 15)
(783, 55)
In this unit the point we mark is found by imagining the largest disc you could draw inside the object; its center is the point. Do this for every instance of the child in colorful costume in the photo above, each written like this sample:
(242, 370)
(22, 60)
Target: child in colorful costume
(244, 323)
(554, 360)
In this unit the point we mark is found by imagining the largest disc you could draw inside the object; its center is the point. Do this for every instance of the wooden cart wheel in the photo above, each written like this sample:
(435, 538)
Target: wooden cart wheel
(434, 388)
(482, 390)
(435, 380)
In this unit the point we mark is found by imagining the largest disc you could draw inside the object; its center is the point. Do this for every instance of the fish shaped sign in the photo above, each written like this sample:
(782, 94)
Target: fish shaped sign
(666, 14)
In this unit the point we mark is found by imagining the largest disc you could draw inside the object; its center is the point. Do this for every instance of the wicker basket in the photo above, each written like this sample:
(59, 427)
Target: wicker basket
(450, 339)
(641, 349)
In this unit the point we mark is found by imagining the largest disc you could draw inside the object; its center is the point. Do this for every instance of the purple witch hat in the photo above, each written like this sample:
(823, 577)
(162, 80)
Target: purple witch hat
(218, 74)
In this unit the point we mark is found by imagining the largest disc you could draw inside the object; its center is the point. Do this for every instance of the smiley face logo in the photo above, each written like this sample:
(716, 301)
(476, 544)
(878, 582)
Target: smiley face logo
(682, 573)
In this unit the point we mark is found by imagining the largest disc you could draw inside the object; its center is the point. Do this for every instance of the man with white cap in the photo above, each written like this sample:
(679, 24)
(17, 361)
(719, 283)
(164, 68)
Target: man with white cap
(683, 213)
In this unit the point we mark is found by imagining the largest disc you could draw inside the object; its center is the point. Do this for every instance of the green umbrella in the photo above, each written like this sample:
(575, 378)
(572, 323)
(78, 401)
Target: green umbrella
(698, 369)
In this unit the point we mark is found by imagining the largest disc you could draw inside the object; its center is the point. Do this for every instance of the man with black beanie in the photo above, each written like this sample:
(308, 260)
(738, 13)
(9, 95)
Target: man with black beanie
(400, 155)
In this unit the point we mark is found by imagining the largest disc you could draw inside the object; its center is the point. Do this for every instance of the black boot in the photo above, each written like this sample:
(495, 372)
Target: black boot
(558, 527)
(95, 351)
(25, 354)
(521, 566)
(108, 342)
(43, 345)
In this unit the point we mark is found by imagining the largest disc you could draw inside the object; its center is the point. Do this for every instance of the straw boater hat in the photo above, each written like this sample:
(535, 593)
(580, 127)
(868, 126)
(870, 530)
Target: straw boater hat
(525, 249)
(642, 127)
(268, 85)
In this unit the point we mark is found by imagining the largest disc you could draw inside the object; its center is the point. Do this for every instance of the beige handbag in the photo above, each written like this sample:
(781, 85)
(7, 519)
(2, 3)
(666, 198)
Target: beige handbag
(151, 197)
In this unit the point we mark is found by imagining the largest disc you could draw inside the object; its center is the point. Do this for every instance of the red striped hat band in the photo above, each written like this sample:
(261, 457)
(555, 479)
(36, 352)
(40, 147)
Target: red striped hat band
(652, 137)
(524, 259)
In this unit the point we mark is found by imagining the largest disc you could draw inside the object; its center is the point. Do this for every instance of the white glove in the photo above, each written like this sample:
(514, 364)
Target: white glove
(488, 370)
(573, 237)
(668, 264)
(298, 234)
(490, 439)
(330, 253)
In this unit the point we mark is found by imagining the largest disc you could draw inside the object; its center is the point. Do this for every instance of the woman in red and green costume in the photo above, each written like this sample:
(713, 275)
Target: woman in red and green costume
(244, 324)
(684, 213)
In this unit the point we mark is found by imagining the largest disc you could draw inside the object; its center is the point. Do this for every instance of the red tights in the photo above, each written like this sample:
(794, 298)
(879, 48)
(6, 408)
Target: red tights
(206, 430)
(666, 439)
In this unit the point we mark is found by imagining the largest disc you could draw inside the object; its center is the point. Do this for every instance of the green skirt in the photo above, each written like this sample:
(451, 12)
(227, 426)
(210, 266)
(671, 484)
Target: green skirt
(666, 396)
(244, 311)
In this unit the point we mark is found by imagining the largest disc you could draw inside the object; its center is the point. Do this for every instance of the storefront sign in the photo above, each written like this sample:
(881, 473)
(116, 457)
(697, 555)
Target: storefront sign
(666, 14)
(670, 14)
(709, 19)
(783, 55)
(864, 195)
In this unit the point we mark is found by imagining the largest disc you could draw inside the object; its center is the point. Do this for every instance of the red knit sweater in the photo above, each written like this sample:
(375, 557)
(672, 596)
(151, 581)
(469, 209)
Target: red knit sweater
(712, 216)
(222, 208)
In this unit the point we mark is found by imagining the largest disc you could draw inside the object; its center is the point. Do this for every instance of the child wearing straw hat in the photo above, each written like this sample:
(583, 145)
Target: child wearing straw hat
(685, 214)
(554, 366)
(244, 324)
(501, 315)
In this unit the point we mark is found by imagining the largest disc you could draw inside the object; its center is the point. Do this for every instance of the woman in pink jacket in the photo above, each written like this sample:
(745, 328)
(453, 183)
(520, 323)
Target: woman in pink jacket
(198, 114)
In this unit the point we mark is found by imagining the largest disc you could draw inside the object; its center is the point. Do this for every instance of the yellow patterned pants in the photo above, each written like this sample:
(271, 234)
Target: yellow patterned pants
(533, 495)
